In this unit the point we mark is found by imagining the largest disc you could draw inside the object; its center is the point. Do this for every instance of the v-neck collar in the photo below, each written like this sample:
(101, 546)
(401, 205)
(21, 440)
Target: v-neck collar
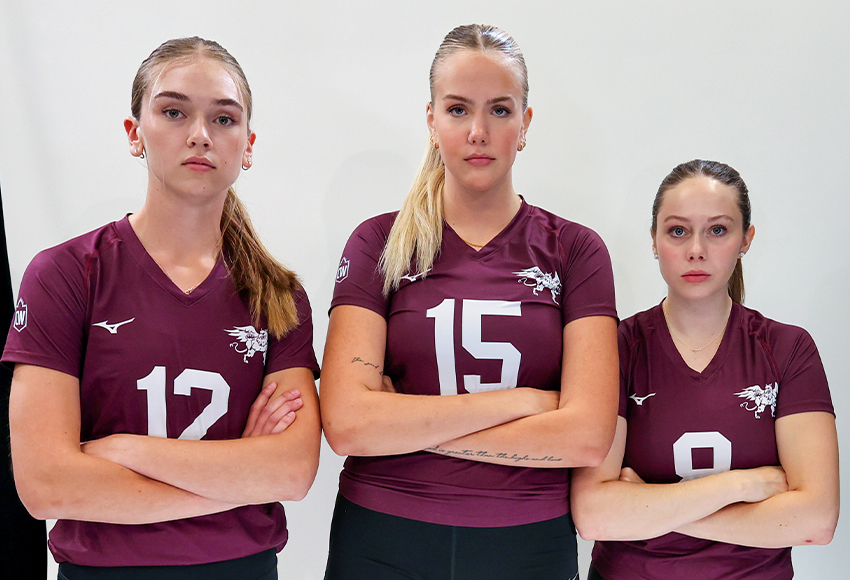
(716, 362)
(149, 265)
(450, 237)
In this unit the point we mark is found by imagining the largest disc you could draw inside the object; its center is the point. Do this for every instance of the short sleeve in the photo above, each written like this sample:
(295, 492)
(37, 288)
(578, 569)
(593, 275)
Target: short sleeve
(358, 281)
(295, 349)
(803, 385)
(48, 329)
(589, 279)
(625, 354)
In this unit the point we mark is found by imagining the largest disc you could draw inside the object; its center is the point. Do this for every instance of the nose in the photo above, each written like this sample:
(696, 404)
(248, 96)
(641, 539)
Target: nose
(478, 131)
(696, 250)
(199, 134)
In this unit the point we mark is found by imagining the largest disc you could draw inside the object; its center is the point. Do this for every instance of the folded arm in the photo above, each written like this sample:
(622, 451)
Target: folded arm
(579, 431)
(362, 416)
(55, 479)
(255, 469)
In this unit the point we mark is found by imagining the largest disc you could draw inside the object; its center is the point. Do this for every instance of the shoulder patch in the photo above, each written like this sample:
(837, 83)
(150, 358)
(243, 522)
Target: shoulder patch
(20, 322)
(342, 269)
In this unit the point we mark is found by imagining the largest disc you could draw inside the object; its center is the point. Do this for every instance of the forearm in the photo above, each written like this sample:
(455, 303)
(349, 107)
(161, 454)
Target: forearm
(382, 423)
(560, 438)
(239, 471)
(81, 487)
(793, 518)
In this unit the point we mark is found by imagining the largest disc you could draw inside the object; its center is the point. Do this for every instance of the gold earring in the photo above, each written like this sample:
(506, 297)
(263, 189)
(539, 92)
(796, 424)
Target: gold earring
(521, 145)
(433, 142)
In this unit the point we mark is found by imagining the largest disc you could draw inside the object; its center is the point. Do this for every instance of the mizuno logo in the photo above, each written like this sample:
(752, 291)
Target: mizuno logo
(640, 400)
(415, 277)
(112, 328)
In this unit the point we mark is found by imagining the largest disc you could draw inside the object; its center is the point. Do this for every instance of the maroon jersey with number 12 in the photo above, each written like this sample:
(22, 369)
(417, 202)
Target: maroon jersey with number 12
(478, 321)
(152, 360)
(683, 424)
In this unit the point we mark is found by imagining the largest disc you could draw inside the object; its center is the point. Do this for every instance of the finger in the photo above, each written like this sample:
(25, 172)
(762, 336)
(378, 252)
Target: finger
(257, 407)
(284, 422)
(271, 422)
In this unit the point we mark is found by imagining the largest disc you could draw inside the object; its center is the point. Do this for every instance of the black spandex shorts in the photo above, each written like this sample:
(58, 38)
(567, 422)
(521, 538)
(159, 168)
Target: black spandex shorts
(370, 545)
(262, 566)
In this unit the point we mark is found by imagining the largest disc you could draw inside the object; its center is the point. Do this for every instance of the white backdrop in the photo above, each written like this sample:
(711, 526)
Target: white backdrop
(622, 92)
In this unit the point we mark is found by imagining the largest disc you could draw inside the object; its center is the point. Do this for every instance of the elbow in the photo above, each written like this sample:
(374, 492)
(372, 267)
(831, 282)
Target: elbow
(823, 531)
(343, 436)
(590, 528)
(42, 501)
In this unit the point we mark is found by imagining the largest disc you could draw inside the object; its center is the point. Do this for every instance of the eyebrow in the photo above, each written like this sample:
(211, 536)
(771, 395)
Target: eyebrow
(711, 219)
(465, 100)
(181, 97)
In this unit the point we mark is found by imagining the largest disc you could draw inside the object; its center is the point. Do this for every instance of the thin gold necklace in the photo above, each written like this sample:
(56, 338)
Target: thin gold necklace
(673, 334)
(164, 271)
(470, 243)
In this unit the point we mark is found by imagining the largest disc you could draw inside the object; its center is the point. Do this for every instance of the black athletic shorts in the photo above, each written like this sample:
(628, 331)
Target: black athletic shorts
(262, 566)
(370, 545)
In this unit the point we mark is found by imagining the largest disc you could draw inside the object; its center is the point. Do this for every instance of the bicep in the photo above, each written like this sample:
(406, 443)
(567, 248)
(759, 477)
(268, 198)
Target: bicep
(354, 352)
(589, 368)
(808, 452)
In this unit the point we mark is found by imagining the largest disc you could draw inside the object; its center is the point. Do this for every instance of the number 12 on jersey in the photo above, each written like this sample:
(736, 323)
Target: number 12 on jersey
(444, 344)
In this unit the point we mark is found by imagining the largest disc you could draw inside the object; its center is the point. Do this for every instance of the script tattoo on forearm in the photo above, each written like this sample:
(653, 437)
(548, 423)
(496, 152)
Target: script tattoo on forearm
(471, 453)
(357, 359)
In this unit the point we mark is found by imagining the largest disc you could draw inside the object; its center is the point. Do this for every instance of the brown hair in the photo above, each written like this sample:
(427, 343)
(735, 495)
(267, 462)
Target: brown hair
(268, 284)
(727, 176)
(417, 233)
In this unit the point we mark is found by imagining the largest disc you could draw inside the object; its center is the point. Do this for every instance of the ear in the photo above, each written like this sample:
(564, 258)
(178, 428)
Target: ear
(748, 239)
(248, 155)
(429, 119)
(654, 247)
(134, 136)
(526, 119)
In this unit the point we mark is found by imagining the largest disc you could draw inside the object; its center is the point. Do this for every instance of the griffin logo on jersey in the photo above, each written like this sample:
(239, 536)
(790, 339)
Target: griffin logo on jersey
(253, 340)
(760, 398)
(540, 280)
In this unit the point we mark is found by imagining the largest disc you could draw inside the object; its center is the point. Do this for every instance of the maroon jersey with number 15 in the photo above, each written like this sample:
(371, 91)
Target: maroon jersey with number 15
(478, 321)
(152, 360)
(683, 424)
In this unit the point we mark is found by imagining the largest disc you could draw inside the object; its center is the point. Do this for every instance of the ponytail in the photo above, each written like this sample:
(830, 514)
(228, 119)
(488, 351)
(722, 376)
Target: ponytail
(417, 233)
(268, 284)
(736, 283)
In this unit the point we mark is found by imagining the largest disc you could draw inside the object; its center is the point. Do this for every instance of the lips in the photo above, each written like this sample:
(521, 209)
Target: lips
(480, 160)
(696, 276)
(199, 164)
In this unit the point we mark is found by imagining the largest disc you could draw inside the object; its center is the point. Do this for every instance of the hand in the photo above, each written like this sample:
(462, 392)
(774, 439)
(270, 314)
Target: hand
(387, 385)
(109, 447)
(761, 483)
(544, 401)
(629, 475)
(272, 416)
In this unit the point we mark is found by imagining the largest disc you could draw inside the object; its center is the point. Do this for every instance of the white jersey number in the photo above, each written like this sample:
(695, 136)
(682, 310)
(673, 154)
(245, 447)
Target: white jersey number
(189, 379)
(683, 454)
(444, 344)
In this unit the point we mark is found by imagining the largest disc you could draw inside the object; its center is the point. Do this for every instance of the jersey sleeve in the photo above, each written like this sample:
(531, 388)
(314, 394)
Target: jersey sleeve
(358, 281)
(588, 283)
(296, 348)
(49, 328)
(803, 385)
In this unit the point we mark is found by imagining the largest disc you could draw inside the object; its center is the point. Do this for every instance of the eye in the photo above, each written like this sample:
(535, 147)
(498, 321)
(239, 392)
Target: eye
(224, 120)
(717, 230)
(456, 110)
(172, 113)
(501, 111)
(677, 231)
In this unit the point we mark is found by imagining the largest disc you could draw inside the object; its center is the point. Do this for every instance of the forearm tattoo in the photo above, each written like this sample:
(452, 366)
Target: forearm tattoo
(357, 359)
(472, 454)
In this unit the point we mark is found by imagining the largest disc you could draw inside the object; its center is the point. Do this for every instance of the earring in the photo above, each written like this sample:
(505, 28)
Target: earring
(655, 256)
(246, 167)
(741, 255)
(139, 152)
(433, 142)
(521, 145)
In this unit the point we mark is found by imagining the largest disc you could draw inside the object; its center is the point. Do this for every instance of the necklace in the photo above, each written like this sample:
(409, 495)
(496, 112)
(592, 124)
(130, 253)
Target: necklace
(164, 271)
(470, 243)
(673, 334)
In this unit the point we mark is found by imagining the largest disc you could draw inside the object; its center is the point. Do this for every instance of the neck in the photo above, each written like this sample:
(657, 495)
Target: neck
(697, 322)
(477, 217)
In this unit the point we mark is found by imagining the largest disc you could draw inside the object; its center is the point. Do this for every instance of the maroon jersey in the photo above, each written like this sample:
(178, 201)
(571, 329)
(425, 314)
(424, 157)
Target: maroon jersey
(478, 321)
(152, 360)
(684, 424)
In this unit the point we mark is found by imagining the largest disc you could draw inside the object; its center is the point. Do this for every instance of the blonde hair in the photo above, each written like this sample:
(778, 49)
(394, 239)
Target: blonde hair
(417, 233)
(268, 285)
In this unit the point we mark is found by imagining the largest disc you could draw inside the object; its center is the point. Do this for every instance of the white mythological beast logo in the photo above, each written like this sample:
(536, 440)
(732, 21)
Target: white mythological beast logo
(254, 341)
(540, 280)
(760, 398)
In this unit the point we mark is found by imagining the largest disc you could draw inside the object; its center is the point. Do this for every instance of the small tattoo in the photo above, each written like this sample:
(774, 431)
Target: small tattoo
(367, 363)
(484, 453)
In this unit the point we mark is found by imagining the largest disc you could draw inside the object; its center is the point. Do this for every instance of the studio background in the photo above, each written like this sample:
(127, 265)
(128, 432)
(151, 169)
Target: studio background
(621, 91)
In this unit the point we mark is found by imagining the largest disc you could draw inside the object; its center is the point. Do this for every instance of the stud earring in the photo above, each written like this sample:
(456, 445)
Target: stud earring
(741, 255)
(655, 256)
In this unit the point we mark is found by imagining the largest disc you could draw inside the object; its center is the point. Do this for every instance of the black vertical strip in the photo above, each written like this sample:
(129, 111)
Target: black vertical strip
(23, 543)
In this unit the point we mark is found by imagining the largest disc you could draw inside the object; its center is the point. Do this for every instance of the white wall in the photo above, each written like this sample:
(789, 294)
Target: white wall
(622, 92)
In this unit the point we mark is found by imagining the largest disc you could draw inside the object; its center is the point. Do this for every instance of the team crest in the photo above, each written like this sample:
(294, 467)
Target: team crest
(251, 340)
(20, 322)
(342, 270)
(760, 399)
(540, 280)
